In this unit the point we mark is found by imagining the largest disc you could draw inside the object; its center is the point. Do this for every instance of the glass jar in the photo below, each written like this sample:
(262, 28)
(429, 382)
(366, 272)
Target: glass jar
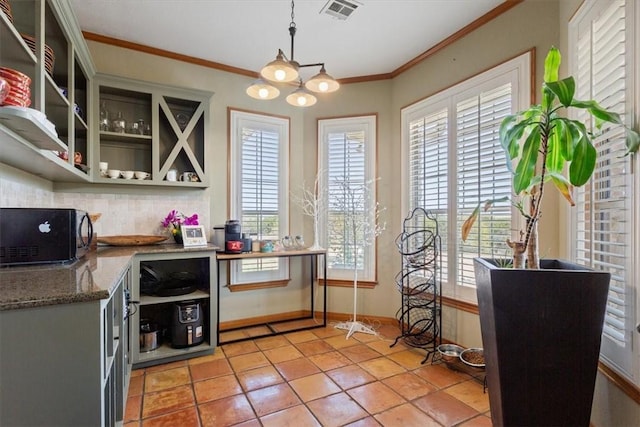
(104, 116)
(141, 126)
(119, 124)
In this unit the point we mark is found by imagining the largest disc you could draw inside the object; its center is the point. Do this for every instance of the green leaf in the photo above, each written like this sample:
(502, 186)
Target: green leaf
(578, 131)
(564, 89)
(598, 112)
(555, 160)
(547, 97)
(632, 141)
(566, 134)
(510, 136)
(535, 181)
(527, 164)
(583, 163)
(507, 143)
(552, 65)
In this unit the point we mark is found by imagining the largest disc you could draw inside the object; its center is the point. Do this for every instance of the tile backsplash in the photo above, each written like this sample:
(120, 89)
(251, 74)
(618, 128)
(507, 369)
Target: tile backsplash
(122, 214)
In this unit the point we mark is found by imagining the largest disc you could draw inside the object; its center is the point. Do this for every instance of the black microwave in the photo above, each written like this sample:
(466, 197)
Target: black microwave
(38, 236)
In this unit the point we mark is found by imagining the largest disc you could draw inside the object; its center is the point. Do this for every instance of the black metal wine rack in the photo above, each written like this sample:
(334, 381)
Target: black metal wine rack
(419, 281)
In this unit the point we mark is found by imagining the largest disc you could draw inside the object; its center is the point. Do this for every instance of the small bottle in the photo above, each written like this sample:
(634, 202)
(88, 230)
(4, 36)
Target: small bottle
(104, 116)
(141, 127)
(119, 124)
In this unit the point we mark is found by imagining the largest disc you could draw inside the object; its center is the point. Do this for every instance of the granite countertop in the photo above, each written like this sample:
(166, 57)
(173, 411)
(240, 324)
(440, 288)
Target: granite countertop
(93, 277)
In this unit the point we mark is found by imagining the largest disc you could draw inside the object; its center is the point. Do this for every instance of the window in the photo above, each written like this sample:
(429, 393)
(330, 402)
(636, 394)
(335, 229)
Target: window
(453, 161)
(259, 188)
(604, 226)
(347, 148)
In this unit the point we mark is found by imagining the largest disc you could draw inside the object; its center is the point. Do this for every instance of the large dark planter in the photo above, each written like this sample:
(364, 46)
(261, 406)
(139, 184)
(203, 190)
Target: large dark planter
(541, 332)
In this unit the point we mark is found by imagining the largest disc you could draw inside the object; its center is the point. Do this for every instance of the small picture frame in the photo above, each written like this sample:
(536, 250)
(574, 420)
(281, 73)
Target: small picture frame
(193, 236)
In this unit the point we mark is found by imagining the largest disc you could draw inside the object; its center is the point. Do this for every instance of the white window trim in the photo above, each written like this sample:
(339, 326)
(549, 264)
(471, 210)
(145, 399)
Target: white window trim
(629, 365)
(516, 70)
(367, 124)
(237, 120)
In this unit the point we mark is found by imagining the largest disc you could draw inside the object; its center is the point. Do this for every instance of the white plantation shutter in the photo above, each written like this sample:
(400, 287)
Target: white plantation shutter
(482, 175)
(259, 188)
(453, 161)
(428, 165)
(603, 217)
(346, 160)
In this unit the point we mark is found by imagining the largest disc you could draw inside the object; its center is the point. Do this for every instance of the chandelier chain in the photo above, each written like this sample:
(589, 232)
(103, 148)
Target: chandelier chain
(293, 16)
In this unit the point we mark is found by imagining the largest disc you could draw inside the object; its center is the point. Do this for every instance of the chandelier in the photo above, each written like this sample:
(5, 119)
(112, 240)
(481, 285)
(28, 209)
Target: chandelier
(285, 70)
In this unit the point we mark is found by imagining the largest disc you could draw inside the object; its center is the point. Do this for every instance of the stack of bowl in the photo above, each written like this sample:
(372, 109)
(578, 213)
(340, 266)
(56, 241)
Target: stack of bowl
(6, 8)
(19, 83)
(49, 57)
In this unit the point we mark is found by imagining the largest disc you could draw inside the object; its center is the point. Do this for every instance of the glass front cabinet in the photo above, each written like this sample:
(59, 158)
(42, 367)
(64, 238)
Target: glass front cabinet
(149, 134)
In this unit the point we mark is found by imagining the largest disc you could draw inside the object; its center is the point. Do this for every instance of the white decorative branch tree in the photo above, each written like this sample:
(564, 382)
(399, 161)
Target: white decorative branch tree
(362, 225)
(312, 203)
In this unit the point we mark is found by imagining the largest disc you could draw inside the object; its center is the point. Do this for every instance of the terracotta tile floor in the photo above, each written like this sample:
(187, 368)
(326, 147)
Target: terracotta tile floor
(308, 378)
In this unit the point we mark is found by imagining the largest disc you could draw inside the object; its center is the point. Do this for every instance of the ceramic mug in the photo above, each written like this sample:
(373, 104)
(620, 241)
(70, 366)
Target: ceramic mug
(188, 177)
(172, 175)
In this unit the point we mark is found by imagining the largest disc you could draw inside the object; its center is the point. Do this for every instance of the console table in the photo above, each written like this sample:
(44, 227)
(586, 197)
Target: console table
(314, 280)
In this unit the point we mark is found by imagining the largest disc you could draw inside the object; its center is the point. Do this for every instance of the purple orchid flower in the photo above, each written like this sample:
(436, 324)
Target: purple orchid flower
(191, 220)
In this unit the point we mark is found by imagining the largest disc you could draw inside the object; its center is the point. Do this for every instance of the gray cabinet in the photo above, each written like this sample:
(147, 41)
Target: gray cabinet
(38, 31)
(199, 269)
(152, 129)
(65, 364)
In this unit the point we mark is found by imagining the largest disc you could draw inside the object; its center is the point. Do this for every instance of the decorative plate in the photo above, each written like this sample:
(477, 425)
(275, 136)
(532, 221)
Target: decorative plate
(133, 240)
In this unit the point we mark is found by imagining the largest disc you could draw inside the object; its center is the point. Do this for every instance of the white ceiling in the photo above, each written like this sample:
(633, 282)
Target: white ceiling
(379, 36)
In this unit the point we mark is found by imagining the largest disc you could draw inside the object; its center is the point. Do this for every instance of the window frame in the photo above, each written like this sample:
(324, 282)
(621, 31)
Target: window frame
(367, 124)
(238, 120)
(519, 72)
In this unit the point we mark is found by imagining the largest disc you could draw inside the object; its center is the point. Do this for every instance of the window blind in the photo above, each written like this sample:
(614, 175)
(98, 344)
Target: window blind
(260, 191)
(428, 165)
(346, 173)
(482, 174)
(346, 159)
(603, 214)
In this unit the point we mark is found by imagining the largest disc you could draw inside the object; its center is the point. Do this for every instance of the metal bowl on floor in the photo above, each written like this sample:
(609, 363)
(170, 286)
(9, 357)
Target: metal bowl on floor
(473, 357)
(450, 352)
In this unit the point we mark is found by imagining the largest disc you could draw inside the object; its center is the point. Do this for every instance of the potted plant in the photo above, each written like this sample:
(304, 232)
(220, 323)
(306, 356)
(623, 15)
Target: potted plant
(542, 325)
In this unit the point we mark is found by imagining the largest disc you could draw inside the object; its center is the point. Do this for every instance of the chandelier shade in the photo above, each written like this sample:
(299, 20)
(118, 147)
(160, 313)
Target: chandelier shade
(301, 97)
(286, 70)
(322, 83)
(279, 70)
(261, 89)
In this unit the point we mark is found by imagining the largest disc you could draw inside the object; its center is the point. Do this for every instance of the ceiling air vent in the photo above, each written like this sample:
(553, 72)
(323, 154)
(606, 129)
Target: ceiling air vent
(340, 9)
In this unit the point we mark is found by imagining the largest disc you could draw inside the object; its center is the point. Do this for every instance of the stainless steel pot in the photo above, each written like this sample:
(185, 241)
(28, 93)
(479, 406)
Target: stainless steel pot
(149, 335)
